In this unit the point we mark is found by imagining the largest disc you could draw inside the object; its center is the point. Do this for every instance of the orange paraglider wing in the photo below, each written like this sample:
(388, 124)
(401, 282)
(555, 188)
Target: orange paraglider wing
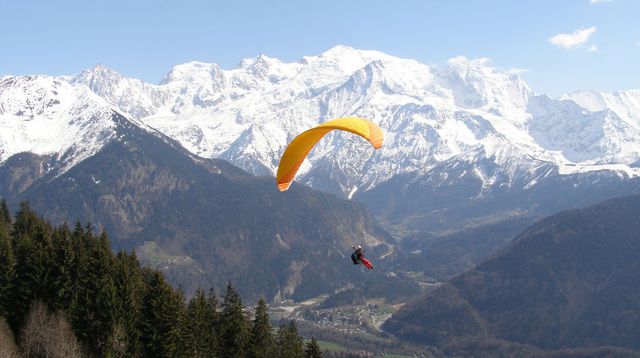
(301, 145)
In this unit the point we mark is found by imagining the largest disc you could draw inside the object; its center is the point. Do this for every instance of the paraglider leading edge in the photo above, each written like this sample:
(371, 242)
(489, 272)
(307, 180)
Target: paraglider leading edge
(300, 146)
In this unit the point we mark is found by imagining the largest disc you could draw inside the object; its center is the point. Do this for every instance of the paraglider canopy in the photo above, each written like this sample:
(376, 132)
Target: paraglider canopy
(300, 146)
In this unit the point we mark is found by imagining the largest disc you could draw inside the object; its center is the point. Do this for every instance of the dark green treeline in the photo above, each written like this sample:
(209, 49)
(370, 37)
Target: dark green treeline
(114, 307)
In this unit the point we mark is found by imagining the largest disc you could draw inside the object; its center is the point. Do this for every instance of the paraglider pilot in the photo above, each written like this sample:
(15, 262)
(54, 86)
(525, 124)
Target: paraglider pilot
(358, 257)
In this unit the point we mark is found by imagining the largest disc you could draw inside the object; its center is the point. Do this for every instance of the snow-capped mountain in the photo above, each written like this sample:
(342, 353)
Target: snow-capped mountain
(472, 155)
(429, 113)
(247, 115)
(49, 116)
(61, 120)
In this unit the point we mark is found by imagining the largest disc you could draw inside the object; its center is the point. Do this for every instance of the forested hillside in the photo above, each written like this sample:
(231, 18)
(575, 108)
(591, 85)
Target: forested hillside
(204, 222)
(63, 293)
(569, 281)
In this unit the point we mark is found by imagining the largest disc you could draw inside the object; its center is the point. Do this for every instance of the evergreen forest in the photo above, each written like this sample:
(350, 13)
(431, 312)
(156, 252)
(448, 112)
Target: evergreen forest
(64, 293)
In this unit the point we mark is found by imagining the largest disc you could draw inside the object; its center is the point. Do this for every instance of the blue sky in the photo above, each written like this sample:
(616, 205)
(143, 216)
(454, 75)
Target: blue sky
(144, 38)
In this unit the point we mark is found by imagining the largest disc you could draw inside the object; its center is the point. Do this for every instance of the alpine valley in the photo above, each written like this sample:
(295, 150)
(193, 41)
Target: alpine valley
(182, 170)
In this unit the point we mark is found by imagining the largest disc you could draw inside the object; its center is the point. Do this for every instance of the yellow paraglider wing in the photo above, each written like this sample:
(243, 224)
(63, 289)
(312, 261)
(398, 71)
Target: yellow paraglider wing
(301, 145)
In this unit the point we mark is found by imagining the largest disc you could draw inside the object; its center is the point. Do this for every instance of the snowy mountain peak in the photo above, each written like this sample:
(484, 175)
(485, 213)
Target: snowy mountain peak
(460, 111)
(99, 73)
(342, 60)
(261, 60)
(476, 84)
(463, 65)
(625, 104)
(194, 71)
(49, 116)
(28, 97)
(262, 67)
(100, 79)
(347, 53)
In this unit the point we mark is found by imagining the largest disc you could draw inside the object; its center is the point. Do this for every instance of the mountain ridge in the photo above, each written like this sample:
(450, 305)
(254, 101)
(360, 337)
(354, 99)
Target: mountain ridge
(468, 147)
(565, 282)
(203, 221)
(248, 113)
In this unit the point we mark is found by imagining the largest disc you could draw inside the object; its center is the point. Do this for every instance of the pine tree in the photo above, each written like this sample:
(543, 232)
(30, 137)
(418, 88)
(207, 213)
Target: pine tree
(235, 326)
(26, 223)
(289, 343)
(5, 217)
(312, 349)
(32, 249)
(102, 309)
(77, 293)
(42, 238)
(7, 272)
(160, 322)
(62, 262)
(130, 287)
(202, 325)
(185, 347)
(212, 308)
(214, 321)
(33, 266)
(261, 343)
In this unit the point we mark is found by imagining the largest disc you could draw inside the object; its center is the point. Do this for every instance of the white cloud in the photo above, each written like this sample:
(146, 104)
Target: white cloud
(592, 48)
(599, 1)
(573, 40)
